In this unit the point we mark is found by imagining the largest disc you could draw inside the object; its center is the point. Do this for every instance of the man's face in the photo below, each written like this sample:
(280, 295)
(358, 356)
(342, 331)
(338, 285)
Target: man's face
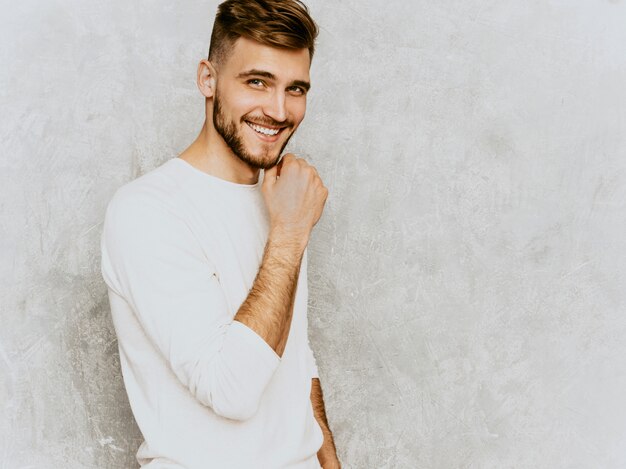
(260, 100)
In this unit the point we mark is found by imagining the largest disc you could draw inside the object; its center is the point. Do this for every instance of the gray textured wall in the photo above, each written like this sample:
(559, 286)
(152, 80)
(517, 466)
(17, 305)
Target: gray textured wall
(467, 278)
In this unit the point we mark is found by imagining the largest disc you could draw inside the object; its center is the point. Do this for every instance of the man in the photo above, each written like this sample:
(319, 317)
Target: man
(206, 264)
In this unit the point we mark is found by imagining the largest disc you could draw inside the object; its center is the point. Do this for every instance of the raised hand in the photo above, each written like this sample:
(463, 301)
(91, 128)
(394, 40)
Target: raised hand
(294, 195)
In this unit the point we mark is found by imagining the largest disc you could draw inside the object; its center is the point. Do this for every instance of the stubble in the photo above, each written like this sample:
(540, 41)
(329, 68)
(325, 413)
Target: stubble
(229, 132)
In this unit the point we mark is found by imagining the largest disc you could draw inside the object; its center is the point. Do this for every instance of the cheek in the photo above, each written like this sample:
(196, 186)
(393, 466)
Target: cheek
(298, 111)
(238, 102)
(246, 101)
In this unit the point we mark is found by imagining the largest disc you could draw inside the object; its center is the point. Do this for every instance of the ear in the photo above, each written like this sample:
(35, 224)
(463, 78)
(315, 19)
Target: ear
(206, 78)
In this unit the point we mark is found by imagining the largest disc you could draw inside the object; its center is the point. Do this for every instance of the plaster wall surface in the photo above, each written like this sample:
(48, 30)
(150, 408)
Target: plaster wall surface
(467, 287)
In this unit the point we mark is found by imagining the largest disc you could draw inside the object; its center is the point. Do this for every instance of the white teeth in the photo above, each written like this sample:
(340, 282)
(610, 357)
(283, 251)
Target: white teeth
(263, 130)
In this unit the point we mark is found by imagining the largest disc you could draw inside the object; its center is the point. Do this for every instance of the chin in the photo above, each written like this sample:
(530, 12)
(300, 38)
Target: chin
(263, 158)
(258, 162)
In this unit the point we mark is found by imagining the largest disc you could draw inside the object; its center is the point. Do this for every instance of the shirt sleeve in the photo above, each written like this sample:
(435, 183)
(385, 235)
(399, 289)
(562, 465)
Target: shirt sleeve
(151, 259)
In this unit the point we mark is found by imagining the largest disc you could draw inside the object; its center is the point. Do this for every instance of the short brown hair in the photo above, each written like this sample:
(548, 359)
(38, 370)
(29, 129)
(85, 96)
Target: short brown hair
(277, 23)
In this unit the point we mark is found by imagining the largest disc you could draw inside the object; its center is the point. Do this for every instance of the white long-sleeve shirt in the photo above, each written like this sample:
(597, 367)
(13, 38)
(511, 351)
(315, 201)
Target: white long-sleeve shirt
(180, 252)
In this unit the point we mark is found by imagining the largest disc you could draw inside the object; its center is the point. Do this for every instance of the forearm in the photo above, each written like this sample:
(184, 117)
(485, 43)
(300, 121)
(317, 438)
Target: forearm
(327, 454)
(268, 309)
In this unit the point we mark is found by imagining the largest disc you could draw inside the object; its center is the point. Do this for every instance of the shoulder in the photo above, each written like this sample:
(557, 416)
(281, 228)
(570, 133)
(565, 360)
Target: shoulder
(157, 187)
(150, 205)
(157, 193)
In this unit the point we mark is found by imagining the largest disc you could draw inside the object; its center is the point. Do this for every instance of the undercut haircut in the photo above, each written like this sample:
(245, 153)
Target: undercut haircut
(277, 23)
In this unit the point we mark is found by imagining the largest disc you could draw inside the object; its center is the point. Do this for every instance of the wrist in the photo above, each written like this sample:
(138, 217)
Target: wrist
(288, 238)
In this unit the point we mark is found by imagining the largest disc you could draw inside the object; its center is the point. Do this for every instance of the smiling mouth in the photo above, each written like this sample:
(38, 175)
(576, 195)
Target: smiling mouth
(263, 130)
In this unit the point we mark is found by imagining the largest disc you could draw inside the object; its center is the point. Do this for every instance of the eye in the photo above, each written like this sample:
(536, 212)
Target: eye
(296, 90)
(256, 83)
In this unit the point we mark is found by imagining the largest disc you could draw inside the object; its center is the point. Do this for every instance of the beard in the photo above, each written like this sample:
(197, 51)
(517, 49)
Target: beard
(233, 138)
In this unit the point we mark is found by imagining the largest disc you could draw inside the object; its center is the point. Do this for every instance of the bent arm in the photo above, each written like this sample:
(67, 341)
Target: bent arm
(152, 262)
(294, 196)
(268, 309)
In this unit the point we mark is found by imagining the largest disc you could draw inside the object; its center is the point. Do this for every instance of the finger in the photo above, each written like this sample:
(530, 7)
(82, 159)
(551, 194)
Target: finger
(279, 166)
(270, 174)
(288, 157)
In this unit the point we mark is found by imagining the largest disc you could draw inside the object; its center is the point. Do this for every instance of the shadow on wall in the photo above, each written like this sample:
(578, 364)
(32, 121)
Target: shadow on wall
(96, 373)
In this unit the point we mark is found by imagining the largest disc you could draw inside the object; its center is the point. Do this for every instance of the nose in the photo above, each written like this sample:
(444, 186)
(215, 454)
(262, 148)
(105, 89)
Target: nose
(276, 106)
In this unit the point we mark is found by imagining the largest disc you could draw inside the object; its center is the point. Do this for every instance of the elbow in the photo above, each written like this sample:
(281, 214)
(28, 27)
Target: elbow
(228, 394)
(232, 382)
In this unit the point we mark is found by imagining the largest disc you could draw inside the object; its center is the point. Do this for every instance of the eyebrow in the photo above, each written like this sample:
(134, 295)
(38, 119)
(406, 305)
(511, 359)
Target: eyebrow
(262, 73)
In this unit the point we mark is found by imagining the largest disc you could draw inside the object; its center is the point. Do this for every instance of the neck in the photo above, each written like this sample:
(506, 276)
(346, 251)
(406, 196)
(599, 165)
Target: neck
(210, 154)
